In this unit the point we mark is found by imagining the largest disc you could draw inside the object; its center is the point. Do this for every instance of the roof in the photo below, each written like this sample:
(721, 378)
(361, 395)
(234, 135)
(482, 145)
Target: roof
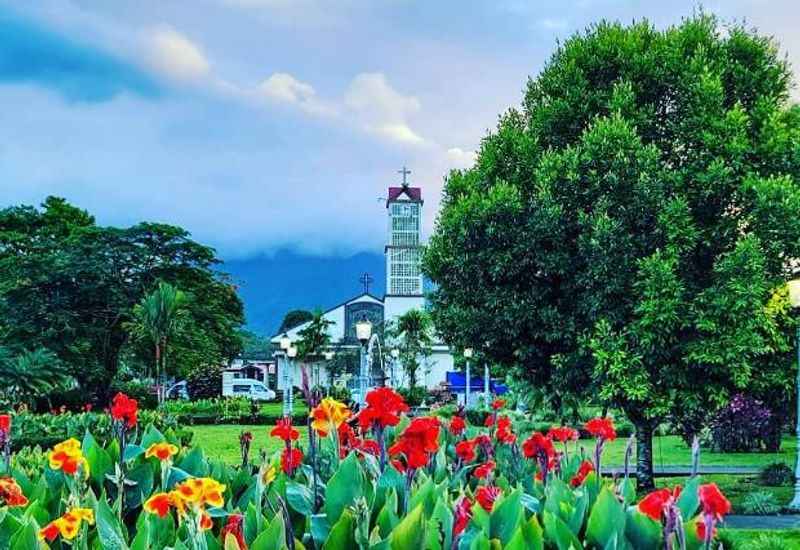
(346, 302)
(414, 193)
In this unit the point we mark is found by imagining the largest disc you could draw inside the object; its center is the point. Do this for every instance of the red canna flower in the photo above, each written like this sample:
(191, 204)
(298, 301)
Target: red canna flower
(701, 530)
(538, 444)
(49, 532)
(457, 425)
(125, 410)
(5, 423)
(419, 439)
(498, 404)
(370, 446)
(602, 428)
(653, 504)
(483, 471)
(384, 406)
(465, 450)
(584, 470)
(462, 515)
(563, 434)
(489, 421)
(504, 433)
(714, 502)
(235, 527)
(399, 465)
(291, 459)
(283, 429)
(486, 496)
(11, 493)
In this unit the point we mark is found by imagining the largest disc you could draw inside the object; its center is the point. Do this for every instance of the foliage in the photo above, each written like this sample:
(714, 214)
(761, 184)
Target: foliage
(69, 285)
(740, 425)
(205, 382)
(30, 374)
(776, 474)
(337, 501)
(230, 410)
(412, 334)
(294, 318)
(761, 503)
(139, 390)
(626, 232)
(314, 338)
(413, 395)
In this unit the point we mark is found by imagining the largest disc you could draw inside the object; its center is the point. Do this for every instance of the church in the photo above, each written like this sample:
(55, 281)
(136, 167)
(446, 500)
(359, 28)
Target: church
(404, 291)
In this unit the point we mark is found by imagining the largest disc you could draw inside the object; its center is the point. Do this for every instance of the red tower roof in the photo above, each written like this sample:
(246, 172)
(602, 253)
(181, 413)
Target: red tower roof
(414, 193)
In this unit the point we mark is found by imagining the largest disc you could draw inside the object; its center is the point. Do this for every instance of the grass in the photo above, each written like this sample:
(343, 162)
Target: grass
(222, 441)
(736, 488)
(742, 539)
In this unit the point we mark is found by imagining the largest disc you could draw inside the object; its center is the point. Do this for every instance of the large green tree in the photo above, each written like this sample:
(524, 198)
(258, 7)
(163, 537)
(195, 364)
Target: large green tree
(412, 334)
(622, 234)
(69, 285)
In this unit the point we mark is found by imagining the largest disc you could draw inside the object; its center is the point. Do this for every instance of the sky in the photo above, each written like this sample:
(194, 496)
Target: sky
(276, 125)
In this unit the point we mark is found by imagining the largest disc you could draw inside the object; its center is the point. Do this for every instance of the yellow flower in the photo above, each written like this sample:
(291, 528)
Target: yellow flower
(268, 475)
(68, 457)
(328, 415)
(212, 492)
(158, 504)
(67, 525)
(198, 492)
(162, 451)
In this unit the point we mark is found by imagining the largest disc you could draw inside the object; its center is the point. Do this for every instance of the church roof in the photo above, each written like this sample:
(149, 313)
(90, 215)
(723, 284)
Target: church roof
(414, 193)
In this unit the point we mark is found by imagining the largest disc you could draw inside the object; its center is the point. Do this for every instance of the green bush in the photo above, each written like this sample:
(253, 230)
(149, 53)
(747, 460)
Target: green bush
(413, 396)
(730, 541)
(760, 503)
(777, 474)
(136, 389)
(205, 382)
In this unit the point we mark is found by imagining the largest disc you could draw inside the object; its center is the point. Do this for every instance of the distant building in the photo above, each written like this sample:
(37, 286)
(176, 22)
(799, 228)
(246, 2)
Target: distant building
(404, 291)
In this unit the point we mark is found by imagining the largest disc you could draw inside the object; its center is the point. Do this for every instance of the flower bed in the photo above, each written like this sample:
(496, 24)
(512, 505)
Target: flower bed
(378, 479)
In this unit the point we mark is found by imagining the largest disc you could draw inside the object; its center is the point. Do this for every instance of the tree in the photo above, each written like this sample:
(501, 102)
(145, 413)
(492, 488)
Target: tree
(30, 374)
(412, 334)
(158, 319)
(69, 286)
(621, 235)
(295, 318)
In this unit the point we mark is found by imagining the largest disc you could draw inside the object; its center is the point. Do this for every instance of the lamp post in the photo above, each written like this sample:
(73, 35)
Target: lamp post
(467, 356)
(285, 344)
(363, 333)
(395, 353)
(291, 353)
(794, 300)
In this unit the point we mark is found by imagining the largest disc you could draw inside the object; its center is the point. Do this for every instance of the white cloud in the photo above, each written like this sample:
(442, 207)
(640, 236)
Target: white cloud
(459, 158)
(284, 88)
(381, 109)
(173, 54)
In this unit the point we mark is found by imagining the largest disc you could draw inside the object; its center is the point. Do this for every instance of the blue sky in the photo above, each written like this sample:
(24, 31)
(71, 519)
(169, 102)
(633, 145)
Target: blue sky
(266, 125)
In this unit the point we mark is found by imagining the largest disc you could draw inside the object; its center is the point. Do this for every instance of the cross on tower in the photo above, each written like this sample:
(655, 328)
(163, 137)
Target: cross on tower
(365, 280)
(405, 171)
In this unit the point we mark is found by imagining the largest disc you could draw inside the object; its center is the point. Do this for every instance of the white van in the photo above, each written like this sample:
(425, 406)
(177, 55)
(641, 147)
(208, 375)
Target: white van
(246, 387)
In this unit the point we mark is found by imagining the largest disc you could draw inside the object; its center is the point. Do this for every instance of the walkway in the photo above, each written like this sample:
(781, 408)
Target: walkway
(684, 471)
(761, 522)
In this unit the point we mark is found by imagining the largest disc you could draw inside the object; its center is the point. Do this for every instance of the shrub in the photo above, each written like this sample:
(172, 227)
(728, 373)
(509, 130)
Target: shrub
(136, 389)
(414, 396)
(763, 542)
(760, 503)
(776, 474)
(205, 382)
(740, 426)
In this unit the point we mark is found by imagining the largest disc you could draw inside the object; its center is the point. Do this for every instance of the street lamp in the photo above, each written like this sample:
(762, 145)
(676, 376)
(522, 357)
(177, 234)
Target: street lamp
(291, 353)
(395, 353)
(328, 355)
(467, 356)
(285, 343)
(794, 300)
(486, 376)
(363, 333)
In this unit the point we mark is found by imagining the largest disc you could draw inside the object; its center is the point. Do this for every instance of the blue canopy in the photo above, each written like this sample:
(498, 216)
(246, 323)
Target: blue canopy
(458, 384)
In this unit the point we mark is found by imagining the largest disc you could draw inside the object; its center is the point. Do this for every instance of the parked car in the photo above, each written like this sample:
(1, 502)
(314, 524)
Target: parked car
(178, 391)
(247, 387)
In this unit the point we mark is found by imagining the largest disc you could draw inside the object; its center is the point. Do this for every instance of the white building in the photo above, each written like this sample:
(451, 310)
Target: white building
(404, 291)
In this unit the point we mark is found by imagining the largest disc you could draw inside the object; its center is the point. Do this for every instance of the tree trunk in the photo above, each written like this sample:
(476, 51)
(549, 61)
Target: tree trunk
(644, 455)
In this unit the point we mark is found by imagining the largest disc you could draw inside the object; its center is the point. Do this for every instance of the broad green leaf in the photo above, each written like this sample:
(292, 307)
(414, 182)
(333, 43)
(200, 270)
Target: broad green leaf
(132, 452)
(558, 533)
(410, 532)
(344, 487)
(606, 520)
(98, 458)
(273, 537)
(109, 529)
(194, 463)
(688, 501)
(528, 536)
(299, 498)
(142, 539)
(342, 535)
(26, 538)
(506, 516)
(443, 519)
(642, 531)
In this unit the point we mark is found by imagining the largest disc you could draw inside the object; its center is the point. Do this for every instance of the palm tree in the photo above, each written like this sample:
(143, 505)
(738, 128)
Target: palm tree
(412, 334)
(314, 339)
(157, 318)
(31, 374)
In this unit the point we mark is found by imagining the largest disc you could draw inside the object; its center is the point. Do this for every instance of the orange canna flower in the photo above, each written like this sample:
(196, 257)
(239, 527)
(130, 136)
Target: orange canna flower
(205, 522)
(11, 493)
(68, 457)
(162, 451)
(158, 504)
(68, 525)
(328, 416)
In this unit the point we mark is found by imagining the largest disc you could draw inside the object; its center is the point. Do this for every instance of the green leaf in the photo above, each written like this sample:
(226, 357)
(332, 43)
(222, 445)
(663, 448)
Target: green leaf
(688, 501)
(194, 463)
(642, 531)
(26, 538)
(299, 498)
(528, 536)
(151, 437)
(410, 532)
(506, 516)
(142, 539)
(132, 452)
(98, 458)
(443, 519)
(606, 520)
(273, 537)
(387, 518)
(344, 487)
(109, 529)
(558, 533)
(342, 535)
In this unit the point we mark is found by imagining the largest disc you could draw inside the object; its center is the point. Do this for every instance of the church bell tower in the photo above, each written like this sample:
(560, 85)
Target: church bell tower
(403, 249)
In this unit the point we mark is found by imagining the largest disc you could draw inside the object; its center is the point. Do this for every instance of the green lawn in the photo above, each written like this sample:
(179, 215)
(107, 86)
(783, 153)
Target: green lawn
(736, 488)
(742, 539)
(222, 441)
